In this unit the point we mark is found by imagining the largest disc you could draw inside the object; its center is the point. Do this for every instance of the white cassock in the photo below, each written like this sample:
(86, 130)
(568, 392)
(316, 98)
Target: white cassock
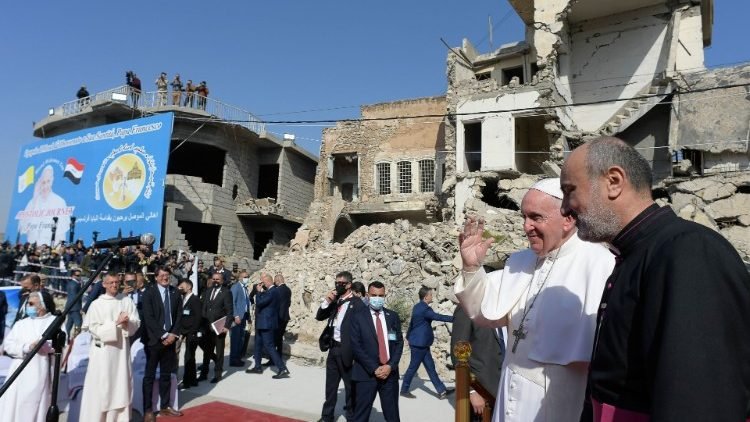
(538, 382)
(108, 388)
(29, 397)
(38, 229)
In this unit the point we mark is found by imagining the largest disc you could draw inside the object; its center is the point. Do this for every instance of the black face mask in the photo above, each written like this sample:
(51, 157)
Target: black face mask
(340, 289)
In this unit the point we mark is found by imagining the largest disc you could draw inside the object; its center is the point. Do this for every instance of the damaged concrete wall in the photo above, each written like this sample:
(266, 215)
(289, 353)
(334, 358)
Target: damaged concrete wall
(614, 57)
(714, 123)
(296, 179)
(390, 140)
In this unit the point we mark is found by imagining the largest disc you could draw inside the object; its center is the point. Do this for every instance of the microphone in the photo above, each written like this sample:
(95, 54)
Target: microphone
(147, 239)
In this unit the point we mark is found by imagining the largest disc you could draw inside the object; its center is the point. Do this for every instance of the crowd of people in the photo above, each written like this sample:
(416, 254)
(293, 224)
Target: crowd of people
(190, 90)
(618, 310)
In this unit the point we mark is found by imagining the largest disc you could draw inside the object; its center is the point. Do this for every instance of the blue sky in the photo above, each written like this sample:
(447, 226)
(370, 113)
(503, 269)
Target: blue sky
(268, 57)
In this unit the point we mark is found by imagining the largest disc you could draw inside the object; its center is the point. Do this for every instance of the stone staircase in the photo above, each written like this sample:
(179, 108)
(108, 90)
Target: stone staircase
(636, 108)
(271, 250)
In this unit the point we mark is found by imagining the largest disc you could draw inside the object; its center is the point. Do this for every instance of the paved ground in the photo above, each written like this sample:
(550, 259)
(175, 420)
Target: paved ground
(301, 396)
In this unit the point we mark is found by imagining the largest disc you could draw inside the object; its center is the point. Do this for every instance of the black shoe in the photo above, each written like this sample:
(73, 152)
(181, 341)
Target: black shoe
(445, 393)
(254, 370)
(284, 373)
(183, 386)
(201, 378)
(214, 380)
(408, 395)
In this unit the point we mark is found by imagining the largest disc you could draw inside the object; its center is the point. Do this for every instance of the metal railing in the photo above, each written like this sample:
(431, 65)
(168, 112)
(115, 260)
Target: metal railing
(154, 101)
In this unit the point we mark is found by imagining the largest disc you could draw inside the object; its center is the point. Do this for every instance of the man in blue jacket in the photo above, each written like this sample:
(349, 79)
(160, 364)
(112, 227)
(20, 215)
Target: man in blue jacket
(420, 338)
(240, 304)
(266, 321)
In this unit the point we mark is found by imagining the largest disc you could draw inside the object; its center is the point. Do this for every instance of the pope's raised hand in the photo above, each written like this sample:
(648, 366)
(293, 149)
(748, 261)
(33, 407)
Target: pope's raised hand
(471, 244)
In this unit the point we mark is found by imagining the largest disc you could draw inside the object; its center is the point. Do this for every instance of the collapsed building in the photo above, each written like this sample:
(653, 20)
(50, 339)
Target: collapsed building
(232, 188)
(595, 68)
(586, 69)
(378, 169)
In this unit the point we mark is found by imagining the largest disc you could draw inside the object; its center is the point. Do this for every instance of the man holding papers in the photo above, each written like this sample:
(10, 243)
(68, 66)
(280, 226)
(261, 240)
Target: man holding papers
(217, 304)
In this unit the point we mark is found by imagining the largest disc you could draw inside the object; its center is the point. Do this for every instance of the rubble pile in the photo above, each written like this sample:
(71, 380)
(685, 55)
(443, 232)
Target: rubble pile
(402, 255)
(719, 202)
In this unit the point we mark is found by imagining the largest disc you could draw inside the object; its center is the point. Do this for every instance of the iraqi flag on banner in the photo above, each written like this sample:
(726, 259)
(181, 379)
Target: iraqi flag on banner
(73, 170)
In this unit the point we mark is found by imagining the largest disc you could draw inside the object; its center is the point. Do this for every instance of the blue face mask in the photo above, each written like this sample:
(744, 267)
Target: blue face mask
(377, 303)
(31, 312)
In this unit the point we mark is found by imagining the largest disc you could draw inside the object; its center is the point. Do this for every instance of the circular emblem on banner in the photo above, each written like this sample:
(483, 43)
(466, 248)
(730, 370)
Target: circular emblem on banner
(123, 181)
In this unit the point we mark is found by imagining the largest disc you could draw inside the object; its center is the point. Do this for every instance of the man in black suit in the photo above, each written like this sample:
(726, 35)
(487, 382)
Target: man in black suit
(189, 328)
(162, 312)
(217, 304)
(133, 287)
(266, 322)
(487, 352)
(285, 301)
(3, 311)
(376, 345)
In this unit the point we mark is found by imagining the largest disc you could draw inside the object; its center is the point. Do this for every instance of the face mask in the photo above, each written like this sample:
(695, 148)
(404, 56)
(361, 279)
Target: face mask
(377, 303)
(340, 289)
(31, 312)
(245, 280)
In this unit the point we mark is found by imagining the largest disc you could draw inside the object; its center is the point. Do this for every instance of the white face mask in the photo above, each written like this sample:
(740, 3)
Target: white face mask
(245, 280)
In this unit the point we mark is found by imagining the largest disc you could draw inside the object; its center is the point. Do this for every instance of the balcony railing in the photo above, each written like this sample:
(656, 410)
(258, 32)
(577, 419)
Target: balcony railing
(162, 101)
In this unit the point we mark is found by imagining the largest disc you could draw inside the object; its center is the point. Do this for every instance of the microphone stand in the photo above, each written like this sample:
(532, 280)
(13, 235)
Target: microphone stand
(53, 330)
(58, 342)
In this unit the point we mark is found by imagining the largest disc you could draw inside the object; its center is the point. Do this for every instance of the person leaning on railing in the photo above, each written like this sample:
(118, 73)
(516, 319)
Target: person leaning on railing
(202, 95)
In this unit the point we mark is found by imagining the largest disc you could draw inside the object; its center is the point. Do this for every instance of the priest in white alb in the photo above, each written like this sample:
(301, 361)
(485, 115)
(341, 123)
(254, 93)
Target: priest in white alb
(108, 388)
(547, 296)
(28, 397)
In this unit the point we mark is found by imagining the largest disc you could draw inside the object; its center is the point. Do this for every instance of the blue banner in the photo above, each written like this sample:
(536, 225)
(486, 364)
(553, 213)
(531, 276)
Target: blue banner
(107, 179)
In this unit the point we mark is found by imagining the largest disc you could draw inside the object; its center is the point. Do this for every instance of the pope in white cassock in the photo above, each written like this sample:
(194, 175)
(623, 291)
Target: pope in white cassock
(29, 397)
(547, 296)
(108, 388)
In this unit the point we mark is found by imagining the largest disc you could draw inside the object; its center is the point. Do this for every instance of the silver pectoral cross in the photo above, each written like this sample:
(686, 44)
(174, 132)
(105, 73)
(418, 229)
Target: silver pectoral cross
(519, 335)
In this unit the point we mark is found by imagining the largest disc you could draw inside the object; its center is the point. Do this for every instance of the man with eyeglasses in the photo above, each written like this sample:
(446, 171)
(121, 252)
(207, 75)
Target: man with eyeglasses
(217, 304)
(547, 296)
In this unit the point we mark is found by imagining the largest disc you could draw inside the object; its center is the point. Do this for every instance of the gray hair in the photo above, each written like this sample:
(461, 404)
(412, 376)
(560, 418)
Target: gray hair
(606, 152)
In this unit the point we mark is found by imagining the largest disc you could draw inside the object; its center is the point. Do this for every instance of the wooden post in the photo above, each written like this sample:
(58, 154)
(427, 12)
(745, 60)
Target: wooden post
(462, 352)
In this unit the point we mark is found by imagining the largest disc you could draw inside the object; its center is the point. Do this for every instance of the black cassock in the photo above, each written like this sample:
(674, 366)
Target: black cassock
(673, 332)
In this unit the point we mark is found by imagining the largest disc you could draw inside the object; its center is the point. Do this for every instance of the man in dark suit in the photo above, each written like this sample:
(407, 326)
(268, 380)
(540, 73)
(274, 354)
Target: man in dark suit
(135, 289)
(217, 303)
(29, 283)
(285, 301)
(420, 338)
(162, 312)
(376, 347)
(3, 311)
(189, 328)
(218, 268)
(266, 322)
(487, 352)
(335, 308)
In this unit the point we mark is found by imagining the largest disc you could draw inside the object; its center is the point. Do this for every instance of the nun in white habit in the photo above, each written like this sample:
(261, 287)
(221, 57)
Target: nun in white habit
(28, 397)
(547, 296)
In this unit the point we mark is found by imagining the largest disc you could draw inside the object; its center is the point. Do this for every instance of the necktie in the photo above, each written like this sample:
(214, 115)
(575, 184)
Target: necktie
(167, 312)
(213, 294)
(382, 353)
